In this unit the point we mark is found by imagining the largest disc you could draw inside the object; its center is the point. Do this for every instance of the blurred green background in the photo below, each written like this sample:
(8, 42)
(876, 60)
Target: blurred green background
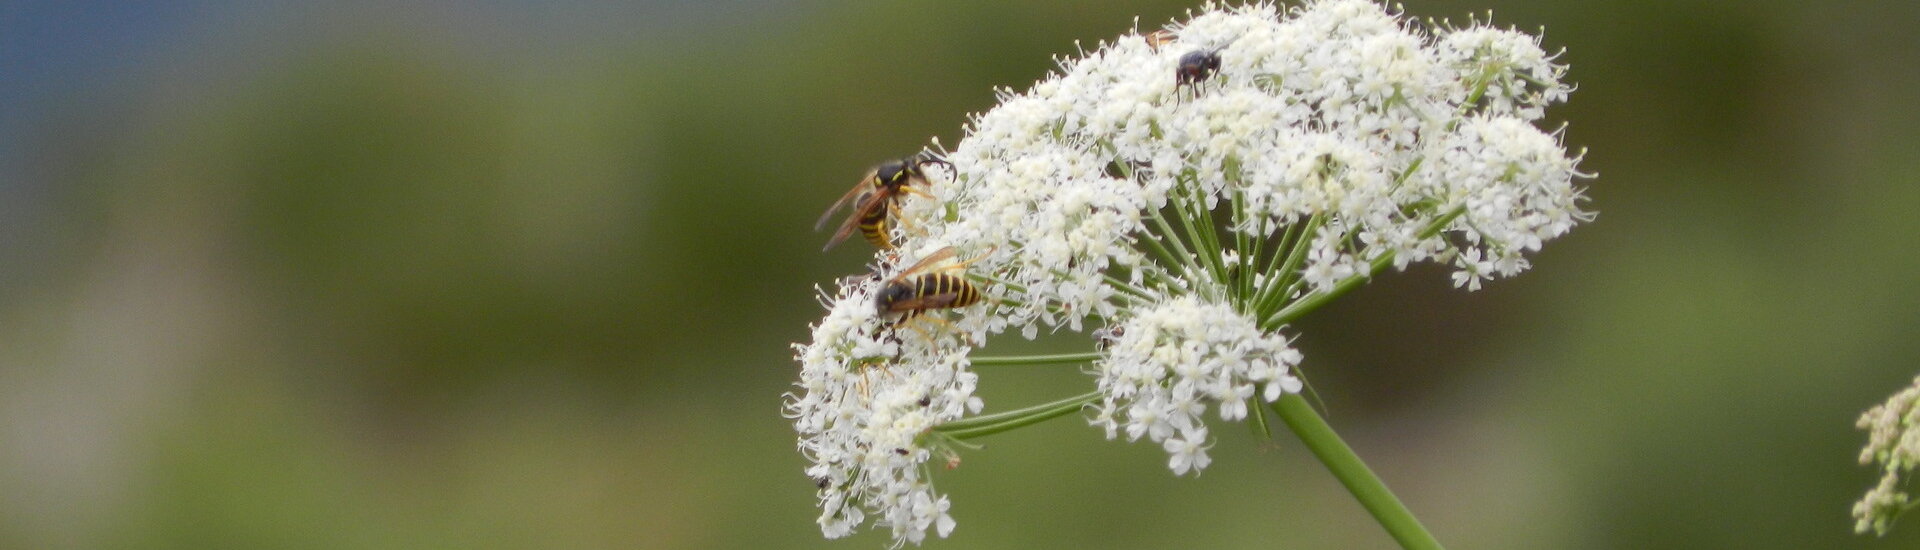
(514, 274)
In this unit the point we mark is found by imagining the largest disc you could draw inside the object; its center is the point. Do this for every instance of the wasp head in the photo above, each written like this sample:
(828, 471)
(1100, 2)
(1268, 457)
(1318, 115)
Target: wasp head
(895, 292)
(893, 173)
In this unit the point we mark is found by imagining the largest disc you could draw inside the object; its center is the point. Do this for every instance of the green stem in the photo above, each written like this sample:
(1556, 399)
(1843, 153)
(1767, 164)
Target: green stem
(1132, 295)
(1154, 246)
(1128, 288)
(1281, 250)
(1186, 262)
(992, 279)
(1243, 273)
(1279, 279)
(995, 423)
(1205, 242)
(1314, 301)
(1479, 90)
(1087, 357)
(1354, 474)
(1153, 242)
(1156, 277)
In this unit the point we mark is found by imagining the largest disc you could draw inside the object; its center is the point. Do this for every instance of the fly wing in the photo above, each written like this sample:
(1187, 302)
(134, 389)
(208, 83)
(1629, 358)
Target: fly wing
(864, 184)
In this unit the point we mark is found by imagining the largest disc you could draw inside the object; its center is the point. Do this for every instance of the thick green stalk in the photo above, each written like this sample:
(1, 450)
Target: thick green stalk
(1354, 474)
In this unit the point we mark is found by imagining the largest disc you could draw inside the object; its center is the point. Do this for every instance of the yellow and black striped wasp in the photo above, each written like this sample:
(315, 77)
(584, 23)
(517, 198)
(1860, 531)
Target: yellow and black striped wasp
(915, 291)
(874, 198)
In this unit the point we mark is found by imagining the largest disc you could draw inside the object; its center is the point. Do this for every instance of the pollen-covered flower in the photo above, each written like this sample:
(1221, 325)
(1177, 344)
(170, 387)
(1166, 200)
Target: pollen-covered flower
(1893, 443)
(1188, 193)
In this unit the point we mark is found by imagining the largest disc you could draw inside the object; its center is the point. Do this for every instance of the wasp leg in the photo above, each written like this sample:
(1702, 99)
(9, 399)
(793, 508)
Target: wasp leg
(924, 335)
(939, 324)
(943, 325)
(908, 225)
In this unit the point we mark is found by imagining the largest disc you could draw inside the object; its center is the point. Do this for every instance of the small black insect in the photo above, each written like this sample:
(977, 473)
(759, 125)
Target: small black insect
(1105, 338)
(1195, 67)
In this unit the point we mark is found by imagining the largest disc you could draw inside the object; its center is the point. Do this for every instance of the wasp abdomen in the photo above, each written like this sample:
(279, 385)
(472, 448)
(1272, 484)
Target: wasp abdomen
(918, 295)
(941, 284)
(876, 229)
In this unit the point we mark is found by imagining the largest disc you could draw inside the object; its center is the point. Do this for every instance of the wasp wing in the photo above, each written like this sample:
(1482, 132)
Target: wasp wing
(1159, 38)
(936, 257)
(930, 301)
(864, 184)
(876, 200)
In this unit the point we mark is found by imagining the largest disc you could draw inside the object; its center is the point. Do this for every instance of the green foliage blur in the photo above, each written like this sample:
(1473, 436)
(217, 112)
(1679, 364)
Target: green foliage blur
(525, 276)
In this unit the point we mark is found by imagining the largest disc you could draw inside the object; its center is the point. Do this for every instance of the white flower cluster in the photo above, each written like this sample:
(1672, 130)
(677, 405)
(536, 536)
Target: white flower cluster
(1341, 110)
(863, 416)
(1167, 362)
(1182, 188)
(1893, 442)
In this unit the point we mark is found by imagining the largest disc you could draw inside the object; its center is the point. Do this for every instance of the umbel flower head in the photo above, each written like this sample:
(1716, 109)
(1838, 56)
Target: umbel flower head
(1170, 359)
(1893, 443)
(1187, 193)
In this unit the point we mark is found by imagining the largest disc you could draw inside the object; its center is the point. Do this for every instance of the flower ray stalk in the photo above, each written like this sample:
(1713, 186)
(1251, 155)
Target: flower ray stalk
(1307, 304)
(1195, 217)
(1185, 260)
(1063, 358)
(992, 424)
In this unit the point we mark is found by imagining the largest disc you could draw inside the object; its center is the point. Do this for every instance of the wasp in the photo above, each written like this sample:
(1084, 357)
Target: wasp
(912, 293)
(874, 198)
